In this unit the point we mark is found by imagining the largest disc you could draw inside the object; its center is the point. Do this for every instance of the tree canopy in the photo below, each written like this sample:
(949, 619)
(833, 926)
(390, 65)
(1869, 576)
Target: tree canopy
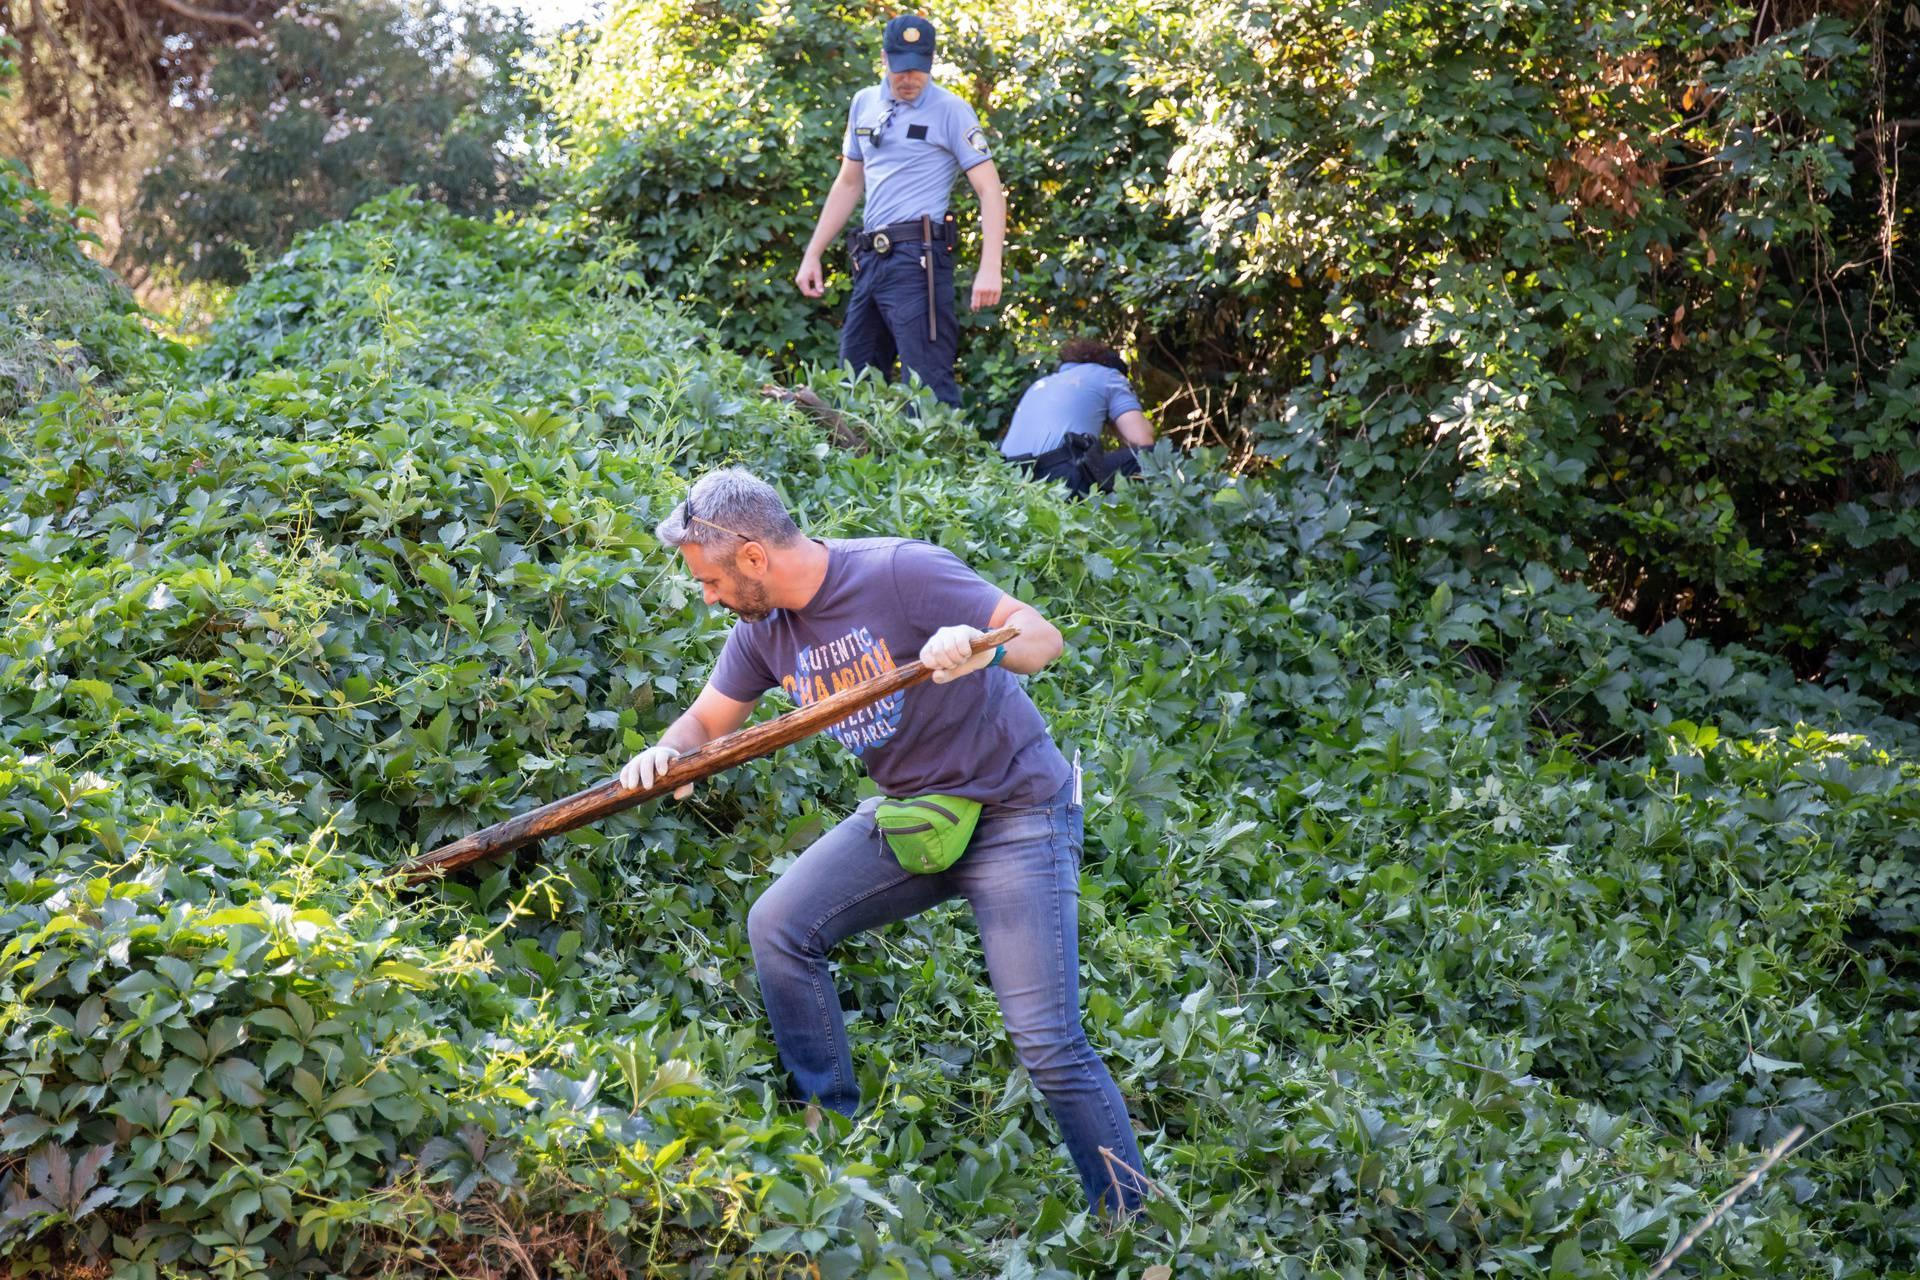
(329, 106)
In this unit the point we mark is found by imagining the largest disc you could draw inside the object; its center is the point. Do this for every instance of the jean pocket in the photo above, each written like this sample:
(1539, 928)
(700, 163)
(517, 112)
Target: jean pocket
(1019, 835)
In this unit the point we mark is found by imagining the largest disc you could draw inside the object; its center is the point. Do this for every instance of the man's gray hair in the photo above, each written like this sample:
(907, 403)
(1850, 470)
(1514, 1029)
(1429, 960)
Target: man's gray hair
(728, 505)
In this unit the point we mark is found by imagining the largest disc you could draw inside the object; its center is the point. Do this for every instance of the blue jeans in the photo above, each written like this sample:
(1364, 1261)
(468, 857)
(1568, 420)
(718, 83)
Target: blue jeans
(887, 318)
(1021, 874)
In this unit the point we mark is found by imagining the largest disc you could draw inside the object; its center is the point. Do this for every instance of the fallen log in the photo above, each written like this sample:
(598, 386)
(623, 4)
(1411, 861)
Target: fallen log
(609, 797)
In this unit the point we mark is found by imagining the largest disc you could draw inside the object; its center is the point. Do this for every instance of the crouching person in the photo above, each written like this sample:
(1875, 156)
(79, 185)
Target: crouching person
(1057, 425)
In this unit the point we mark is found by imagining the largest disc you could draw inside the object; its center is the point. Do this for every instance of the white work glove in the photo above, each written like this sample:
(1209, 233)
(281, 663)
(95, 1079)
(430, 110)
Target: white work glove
(949, 652)
(653, 763)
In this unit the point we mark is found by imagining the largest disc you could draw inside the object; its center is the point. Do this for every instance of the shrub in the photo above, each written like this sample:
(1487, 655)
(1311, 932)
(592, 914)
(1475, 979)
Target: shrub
(325, 107)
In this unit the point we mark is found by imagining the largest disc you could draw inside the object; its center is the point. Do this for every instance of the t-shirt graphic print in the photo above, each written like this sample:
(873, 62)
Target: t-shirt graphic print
(822, 670)
(979, 736)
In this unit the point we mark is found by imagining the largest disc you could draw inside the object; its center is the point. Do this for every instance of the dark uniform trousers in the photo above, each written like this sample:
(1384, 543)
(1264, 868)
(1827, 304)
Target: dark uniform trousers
(1081, 464)
(887, 317)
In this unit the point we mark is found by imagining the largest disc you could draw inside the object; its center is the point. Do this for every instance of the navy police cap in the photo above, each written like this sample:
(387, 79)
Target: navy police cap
(908, 43)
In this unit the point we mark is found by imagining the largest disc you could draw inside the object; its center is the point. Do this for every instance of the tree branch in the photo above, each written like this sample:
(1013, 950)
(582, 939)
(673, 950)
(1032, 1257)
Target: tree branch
(198, 14)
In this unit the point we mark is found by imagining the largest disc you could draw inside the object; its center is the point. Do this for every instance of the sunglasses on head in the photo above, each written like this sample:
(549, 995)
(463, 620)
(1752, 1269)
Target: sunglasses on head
(691, 518)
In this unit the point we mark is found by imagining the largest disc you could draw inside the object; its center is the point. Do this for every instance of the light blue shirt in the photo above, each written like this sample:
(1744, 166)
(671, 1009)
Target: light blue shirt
(912, 151)
(1078, 399)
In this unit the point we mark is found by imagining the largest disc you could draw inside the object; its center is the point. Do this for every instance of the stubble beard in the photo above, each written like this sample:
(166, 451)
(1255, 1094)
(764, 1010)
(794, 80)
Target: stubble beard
(754, 605)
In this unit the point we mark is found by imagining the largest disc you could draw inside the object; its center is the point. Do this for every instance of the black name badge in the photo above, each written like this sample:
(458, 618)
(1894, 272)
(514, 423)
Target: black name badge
(917, 131)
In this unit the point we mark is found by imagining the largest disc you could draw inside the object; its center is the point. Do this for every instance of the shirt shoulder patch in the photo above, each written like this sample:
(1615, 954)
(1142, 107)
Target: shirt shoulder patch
(977, 139)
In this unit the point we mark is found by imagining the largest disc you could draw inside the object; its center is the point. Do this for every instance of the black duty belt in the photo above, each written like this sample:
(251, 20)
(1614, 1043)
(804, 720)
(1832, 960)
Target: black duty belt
(885, 240)
(1072, 447)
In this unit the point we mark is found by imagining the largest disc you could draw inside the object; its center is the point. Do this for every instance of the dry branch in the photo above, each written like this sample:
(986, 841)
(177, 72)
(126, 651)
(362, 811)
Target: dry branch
(198, 14)
(1726, 1202)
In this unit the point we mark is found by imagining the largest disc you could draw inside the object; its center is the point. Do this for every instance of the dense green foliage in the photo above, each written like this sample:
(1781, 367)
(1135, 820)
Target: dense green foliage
(329, 106)
(1616, 285)
(1434, 921)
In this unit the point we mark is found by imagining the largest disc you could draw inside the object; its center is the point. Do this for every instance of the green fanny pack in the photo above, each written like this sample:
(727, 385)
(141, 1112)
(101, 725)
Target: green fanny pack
(928, 833)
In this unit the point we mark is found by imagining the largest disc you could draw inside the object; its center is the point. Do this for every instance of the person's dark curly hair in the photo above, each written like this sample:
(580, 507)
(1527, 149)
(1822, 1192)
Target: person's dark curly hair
(1091, 351)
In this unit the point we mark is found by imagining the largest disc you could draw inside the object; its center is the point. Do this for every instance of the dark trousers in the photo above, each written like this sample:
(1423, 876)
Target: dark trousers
(887, 317)
(1082, 465)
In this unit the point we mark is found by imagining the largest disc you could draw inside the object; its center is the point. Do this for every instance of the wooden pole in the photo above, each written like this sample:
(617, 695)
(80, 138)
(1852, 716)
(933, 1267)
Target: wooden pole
(609, 797)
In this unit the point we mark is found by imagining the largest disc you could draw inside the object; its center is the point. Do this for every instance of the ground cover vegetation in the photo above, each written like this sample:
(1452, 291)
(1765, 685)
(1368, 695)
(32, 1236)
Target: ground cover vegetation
(1437, 921)
(1625, 288)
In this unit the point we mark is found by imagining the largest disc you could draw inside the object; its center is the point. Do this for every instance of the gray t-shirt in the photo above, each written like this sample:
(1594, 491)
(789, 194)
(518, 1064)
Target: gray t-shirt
(1077, 399)
(911, 152)
(979, 736)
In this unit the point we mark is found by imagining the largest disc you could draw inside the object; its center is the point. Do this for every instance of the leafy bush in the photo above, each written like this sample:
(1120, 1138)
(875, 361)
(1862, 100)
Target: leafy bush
(63, 320)
(1434, 920)
(706, 137)
(1577, 289)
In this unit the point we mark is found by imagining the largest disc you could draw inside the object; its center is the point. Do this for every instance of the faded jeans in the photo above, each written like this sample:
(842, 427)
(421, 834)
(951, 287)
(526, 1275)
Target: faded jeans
(1021, 874)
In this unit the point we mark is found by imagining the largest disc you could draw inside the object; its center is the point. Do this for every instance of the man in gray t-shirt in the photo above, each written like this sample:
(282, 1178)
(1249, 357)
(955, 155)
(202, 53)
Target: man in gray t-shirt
(1057, 424)
(877, 606)
(816, 616)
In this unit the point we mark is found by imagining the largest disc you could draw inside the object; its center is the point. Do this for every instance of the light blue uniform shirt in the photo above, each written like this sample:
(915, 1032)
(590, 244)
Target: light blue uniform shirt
(912, 151)
(1078, 399)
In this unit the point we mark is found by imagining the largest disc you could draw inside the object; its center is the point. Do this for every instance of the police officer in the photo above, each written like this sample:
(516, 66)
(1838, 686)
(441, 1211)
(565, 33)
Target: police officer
(1056, 427)
(906, 139)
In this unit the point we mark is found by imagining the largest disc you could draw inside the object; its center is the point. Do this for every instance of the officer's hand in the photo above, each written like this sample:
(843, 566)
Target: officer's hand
(650, 765)
(811, 279)
(949, 651)
(986, 289)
